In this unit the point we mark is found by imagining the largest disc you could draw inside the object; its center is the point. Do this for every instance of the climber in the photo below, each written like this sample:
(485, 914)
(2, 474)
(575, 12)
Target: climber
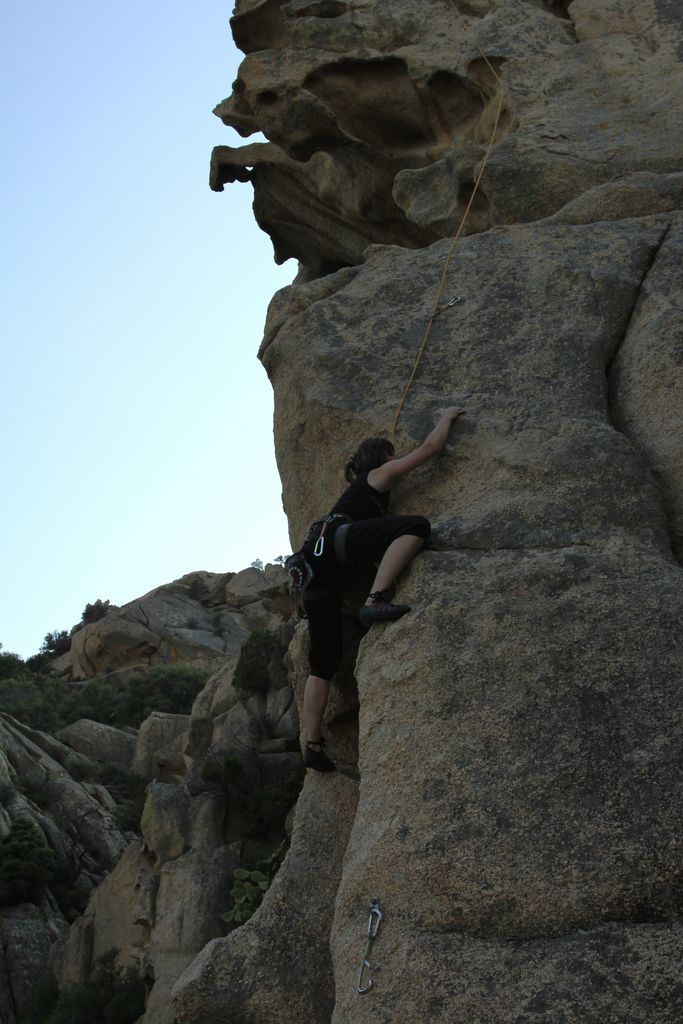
(357, 535)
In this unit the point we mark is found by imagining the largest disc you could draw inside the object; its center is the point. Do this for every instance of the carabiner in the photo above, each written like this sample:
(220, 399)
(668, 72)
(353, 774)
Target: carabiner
(374, 919)
(319, 546)
(362, 989)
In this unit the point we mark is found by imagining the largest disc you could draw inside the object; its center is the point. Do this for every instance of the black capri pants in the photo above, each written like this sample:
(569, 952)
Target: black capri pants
(365, 543)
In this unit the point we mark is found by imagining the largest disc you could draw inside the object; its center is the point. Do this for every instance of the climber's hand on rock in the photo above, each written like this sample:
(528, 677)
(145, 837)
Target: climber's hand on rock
(453, 412)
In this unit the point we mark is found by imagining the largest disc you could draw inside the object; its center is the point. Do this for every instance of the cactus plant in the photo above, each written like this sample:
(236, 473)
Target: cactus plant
(250, 886)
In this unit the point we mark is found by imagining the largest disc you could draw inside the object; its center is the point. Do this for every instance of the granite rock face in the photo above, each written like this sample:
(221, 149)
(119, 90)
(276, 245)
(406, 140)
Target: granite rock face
(520, 731)
(243, 978)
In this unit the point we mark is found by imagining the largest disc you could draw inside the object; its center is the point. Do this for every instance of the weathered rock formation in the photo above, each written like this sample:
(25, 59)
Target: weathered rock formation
(222, 779)
(199, 620)
(76, 819)
(378, 114)
(163, 901)
(520, 805)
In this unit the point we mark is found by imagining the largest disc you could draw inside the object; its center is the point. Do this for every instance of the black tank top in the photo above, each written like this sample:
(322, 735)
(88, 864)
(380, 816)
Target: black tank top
(361, 501)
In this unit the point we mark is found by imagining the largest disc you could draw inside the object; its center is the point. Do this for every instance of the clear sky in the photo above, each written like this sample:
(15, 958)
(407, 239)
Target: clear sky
(136, 421)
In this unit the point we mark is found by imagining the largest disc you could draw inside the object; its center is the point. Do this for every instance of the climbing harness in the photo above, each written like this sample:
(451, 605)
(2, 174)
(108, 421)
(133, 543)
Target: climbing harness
(436, 310)
(364, 985)
(323, 524)
(300, 566)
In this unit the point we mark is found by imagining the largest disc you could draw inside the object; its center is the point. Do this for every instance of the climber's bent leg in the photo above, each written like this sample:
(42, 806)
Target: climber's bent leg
(398, 555)
(393, 541)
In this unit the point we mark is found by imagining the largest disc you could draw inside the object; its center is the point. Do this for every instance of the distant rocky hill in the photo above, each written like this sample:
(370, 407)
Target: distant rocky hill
(198, 619)
(219, 782)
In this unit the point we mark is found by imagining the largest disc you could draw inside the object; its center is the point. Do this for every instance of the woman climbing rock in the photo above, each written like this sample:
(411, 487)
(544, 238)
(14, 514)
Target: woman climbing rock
(356, 535)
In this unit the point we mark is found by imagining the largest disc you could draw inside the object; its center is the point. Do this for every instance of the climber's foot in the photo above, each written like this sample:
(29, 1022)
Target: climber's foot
(316, 758)
(380, 609)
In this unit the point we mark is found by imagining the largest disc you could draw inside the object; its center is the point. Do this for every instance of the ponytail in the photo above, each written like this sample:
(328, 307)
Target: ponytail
(350, 471)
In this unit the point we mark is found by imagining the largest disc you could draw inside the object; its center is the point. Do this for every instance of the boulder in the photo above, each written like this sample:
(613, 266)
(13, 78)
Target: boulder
(160, 735)
(174, 822)
(254, 585)
(99, 742)
(278, 703)
(220, 693)
(239, 728)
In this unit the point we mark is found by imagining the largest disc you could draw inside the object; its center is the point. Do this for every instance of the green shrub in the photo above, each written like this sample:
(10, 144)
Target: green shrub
(129, 812)
(127, 788)
(111, 995)
(251, 672)
(222, 771)
(42, 1002)
(121, 783)
(33, 790)
(46, 703)
(33, 699)
(80, 768)
(262, 809)
(27, 864)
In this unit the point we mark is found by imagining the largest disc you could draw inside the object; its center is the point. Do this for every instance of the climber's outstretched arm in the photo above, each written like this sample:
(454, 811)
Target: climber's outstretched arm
(384, 477)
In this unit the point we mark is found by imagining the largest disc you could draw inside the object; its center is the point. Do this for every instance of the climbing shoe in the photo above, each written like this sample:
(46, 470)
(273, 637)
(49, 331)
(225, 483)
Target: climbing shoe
(316, 758)
(381, 609)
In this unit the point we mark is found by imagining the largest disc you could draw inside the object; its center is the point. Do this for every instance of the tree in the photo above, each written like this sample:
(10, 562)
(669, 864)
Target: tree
(27, 864)
(10, 664)
(95, 612)
(56, 643)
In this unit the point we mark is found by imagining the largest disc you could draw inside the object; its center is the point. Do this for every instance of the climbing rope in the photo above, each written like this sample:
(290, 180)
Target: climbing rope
(437, 309)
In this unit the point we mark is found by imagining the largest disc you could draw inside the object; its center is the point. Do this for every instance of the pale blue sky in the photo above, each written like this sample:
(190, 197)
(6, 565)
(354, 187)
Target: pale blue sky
(136, 436)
